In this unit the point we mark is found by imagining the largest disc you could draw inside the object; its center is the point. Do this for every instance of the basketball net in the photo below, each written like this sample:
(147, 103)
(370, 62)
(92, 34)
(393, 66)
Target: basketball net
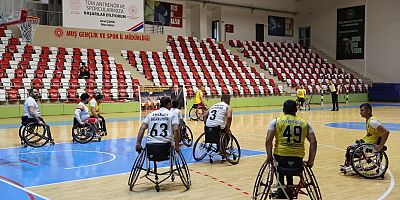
(29, 27)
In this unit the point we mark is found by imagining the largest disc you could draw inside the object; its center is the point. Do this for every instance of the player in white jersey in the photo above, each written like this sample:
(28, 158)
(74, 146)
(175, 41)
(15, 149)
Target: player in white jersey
(220, 114)
(175, 109)
(32, 113)
(82, 114)
(163, 126)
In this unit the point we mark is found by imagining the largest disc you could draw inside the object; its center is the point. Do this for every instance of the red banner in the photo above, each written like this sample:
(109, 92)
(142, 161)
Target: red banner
(97, 34)
(176, 15)
(229, 28)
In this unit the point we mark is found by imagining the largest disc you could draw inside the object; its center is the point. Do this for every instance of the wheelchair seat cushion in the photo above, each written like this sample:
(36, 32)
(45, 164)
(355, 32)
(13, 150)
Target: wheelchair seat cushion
(158, 151)
(290, 171)
(91, 120)
(212, 134)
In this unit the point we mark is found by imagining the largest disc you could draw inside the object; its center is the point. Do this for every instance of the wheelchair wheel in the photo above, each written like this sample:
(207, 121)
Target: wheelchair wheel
(192, 114)
(200, 113)
(230, 148)
(307, 104)
(35, 135)
(136, 168)
(263, 183)
(200, 148)
(84, 134)
(311, 183)
(369, 163)
(187, 137)
(21, 128)
(183, 170)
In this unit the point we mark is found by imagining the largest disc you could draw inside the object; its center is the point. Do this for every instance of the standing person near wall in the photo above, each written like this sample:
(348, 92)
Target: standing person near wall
(177, 95)
(334, 93)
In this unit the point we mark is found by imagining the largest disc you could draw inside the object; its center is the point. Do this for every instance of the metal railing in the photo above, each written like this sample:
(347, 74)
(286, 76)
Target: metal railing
(154, 28)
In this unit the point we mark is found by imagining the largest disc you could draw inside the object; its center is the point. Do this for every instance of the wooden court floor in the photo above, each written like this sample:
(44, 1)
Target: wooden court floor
(223, 181)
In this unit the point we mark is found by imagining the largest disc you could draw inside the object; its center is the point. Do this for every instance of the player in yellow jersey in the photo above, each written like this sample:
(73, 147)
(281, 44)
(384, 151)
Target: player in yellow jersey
(290, 133)
(198, 101)
(377, 134)
(94, 109)
(301, 96)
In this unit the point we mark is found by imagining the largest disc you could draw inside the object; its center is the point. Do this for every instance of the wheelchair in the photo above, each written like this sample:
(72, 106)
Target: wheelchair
(215, 141)
(158, 152)
(265, 188)
(186, 134)
(196, 112)
(306, 104)
(367, 162)
(34, 135)
(85, 133)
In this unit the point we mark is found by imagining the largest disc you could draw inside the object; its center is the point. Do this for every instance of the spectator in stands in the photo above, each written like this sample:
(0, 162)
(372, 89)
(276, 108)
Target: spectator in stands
(84, 72)
(334, 94)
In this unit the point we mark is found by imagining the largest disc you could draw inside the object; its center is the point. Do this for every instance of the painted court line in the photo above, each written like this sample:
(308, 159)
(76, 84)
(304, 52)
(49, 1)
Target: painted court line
(392, 180)
(30, 193)
(221, 181)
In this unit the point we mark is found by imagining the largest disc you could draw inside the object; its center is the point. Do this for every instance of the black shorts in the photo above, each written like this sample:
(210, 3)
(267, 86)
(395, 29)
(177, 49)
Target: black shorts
(301, 100)
(289, 161)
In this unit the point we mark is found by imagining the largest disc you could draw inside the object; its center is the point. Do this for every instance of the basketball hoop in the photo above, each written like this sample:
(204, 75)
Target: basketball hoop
(29, 27)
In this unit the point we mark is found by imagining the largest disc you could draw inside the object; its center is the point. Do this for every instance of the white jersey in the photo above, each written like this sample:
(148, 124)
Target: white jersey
(159, 125)
(217, 114)
(176, 111)
(83, 115)
(31, 102)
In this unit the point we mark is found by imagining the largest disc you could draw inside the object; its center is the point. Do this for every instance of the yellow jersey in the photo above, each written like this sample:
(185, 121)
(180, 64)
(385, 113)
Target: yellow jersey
(301, 93)
(96, 108)
(197, 98)
(372, 133)
(291, 132)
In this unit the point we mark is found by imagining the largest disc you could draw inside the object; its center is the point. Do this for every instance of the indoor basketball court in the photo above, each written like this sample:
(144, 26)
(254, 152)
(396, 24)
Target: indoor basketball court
(135, 53)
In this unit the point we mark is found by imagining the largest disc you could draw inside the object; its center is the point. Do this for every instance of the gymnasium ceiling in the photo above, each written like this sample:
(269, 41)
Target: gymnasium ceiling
(282, 5)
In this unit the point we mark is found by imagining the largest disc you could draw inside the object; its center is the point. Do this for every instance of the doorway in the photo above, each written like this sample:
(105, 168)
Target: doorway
(260, 32)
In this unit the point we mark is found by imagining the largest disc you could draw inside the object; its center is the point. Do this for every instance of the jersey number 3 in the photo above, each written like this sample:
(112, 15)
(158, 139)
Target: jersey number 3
(213, 114)
(163, 128)
(297, 133)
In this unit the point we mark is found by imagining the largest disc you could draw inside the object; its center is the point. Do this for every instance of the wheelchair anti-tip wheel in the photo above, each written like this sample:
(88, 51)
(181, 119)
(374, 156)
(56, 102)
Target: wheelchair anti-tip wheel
(263, 183)
(230, 148)
(35, 135)
(369, 163)
(136, 168)
(83, 134)
(311, 184)
(183, 170)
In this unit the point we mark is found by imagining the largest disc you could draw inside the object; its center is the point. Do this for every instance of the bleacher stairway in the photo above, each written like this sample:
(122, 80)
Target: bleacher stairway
(127, 67)
(237, 51)
(338, 64)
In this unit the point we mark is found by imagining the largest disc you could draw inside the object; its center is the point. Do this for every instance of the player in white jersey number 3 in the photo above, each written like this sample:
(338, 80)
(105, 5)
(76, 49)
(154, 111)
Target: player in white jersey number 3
(220, 114)
(162, 125)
